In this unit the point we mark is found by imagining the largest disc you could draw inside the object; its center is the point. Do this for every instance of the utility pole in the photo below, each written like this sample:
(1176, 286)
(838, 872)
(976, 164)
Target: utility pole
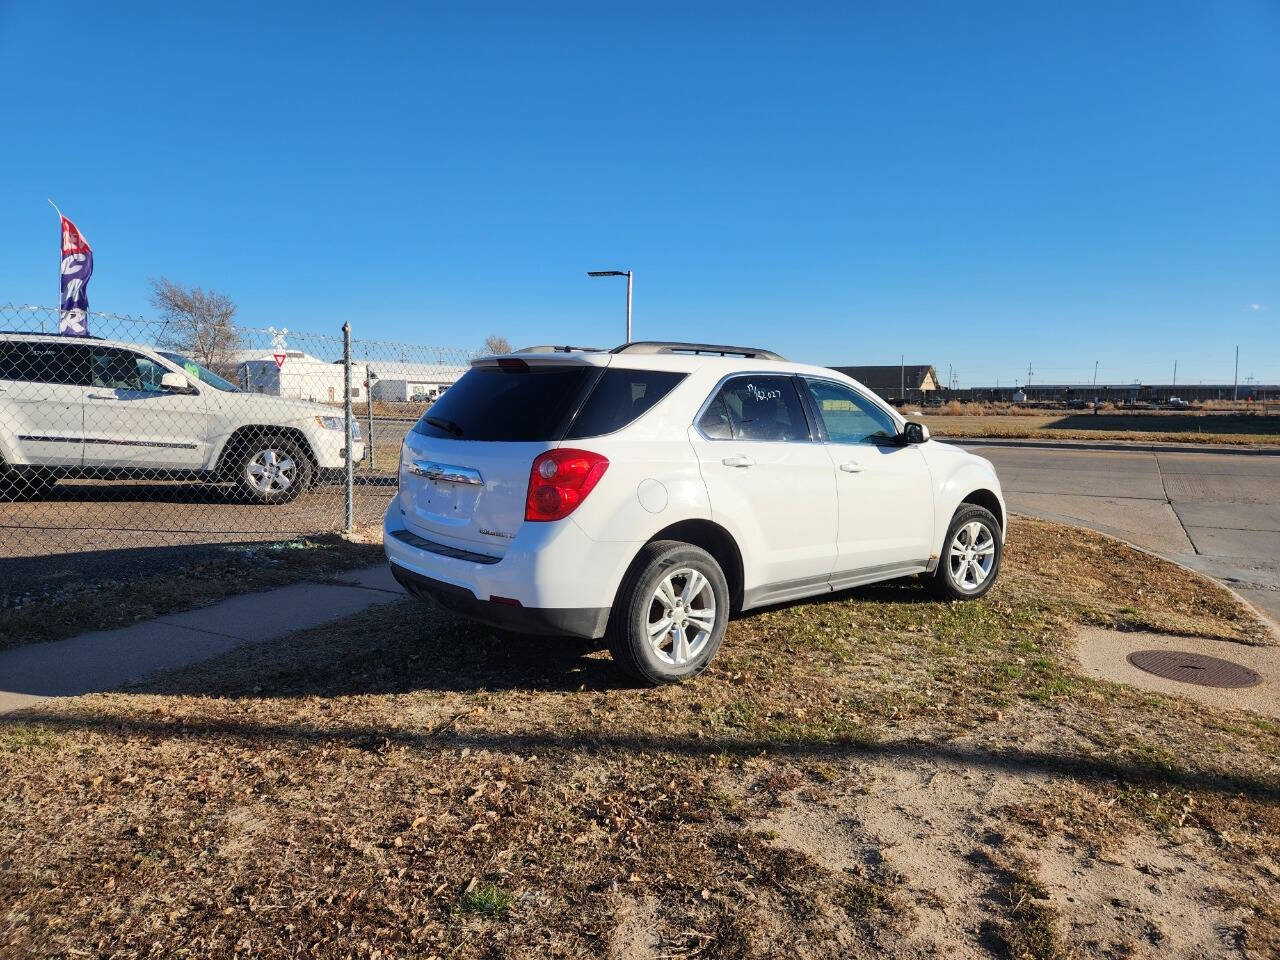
(1175, 373)
(1235, 383)
(1095, 373)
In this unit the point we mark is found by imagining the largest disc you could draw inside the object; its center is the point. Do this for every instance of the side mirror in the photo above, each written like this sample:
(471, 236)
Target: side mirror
(914, 432)
(175, 383)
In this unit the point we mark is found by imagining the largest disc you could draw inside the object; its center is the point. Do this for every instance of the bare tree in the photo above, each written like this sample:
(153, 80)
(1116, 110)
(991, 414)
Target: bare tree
(198, 324)
(495, 344)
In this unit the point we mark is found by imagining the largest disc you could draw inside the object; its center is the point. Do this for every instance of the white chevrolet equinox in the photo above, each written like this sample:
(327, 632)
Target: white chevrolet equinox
(646, 493)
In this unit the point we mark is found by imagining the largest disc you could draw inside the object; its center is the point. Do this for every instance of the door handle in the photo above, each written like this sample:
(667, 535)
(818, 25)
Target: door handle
(100, 396)
(738, 461)
(851, 467)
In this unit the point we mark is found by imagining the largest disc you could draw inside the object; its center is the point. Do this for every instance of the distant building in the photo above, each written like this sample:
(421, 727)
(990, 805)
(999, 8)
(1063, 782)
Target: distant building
(919, 380)
(301, 376)
(397, 382)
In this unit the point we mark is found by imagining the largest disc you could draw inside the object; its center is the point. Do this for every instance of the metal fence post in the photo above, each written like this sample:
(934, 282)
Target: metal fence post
(348, 421)
(368, 399)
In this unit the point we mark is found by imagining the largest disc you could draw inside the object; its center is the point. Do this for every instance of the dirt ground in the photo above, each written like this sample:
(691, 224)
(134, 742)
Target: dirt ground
(876, 774)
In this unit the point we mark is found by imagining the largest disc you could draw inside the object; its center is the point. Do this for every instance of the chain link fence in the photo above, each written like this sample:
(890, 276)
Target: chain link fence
(154, 434)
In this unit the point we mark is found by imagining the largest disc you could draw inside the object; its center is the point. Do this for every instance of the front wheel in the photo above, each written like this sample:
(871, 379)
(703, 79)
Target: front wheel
(670, 615)
(971, 553)
(272, 470)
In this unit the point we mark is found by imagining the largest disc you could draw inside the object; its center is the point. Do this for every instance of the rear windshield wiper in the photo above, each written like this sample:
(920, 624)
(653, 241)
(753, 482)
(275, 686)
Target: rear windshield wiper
(448, 426)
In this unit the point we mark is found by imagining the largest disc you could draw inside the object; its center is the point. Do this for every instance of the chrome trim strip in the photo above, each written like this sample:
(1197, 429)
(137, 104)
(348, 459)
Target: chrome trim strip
(119, 443)
(141, 443)
(446, 472)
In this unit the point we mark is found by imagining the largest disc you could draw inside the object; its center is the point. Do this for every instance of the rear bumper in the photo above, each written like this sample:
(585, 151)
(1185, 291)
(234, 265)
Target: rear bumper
(563, 581)
(586, 622)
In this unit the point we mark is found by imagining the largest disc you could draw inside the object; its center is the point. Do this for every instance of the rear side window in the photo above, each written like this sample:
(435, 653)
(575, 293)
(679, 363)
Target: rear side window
(40, 362)
(620, 398)
(507, 405)
(756, 408)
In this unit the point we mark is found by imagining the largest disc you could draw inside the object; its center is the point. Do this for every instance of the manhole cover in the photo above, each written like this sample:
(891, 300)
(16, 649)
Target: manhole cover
(1194, 668)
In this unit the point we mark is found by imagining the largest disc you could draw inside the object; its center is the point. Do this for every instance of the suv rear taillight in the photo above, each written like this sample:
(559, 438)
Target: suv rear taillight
(560, 480)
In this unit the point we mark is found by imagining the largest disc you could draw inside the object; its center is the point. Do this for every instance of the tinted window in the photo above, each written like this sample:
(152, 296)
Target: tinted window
(756, 408)
(492, 404)
(120, 369)
(848, 416)
(620, 397)
(39, 362)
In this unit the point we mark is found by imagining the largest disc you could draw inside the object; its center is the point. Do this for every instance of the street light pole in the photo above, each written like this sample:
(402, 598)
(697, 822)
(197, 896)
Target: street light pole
(618, 273)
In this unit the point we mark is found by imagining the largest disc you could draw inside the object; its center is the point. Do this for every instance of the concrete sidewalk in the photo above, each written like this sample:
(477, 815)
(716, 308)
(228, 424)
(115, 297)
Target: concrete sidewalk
(106, 659)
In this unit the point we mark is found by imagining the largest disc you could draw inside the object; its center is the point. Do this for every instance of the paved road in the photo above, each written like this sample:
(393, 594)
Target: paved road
(1216, 512)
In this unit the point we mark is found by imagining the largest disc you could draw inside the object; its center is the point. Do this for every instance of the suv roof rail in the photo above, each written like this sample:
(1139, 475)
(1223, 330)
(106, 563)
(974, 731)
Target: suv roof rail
(714, 349)
(48, 333)
(548, 348)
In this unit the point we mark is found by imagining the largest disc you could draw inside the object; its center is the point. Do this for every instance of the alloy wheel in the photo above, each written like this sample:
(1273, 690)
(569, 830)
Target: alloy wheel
(682, 616)
(972, 556)
(271, 471)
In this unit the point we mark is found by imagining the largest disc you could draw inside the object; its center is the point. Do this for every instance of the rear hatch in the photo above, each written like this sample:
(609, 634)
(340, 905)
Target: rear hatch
(464, 467)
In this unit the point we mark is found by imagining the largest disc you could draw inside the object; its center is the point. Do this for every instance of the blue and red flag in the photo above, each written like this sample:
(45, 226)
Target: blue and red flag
(77, 268)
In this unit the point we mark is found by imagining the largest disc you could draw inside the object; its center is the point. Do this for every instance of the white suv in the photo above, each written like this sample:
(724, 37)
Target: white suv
(80, 406)
(645, 493)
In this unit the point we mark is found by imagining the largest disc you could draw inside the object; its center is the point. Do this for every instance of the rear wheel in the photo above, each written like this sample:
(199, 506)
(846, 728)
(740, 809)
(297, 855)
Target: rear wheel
(272, 469)
(971, 554)
(670, 615)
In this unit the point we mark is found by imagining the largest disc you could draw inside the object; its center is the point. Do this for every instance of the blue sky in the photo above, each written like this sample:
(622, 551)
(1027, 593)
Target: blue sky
(983, 185)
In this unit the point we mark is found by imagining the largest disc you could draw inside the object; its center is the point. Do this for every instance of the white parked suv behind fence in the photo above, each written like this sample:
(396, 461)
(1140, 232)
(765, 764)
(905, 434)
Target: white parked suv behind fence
(139, 436)
(79, 406)
(644, 493)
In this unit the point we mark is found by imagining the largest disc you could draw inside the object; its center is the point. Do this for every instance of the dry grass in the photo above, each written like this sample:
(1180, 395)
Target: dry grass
(35, 612)
(1147, 428)
(406, 785)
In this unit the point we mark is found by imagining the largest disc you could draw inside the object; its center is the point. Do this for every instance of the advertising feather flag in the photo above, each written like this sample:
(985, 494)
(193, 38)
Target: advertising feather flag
(76, 269)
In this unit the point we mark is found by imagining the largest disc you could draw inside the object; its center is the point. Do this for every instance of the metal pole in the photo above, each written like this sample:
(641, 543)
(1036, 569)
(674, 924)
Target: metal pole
(368, 396)
(628, 306)
(1235, 383)
(350, 518)
(1095, 373)
(1175, 373)
(902, 378)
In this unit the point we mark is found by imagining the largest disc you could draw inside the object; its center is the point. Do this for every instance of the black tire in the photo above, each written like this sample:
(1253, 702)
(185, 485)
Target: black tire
(955, 579)
(271, 469)
(637, 607)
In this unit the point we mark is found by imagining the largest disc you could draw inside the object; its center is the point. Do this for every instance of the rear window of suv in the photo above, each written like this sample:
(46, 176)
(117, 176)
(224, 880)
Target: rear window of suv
(536, 404)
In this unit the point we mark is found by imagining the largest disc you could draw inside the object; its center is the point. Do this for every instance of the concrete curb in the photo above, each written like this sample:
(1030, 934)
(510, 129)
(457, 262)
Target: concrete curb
(1128, 446)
